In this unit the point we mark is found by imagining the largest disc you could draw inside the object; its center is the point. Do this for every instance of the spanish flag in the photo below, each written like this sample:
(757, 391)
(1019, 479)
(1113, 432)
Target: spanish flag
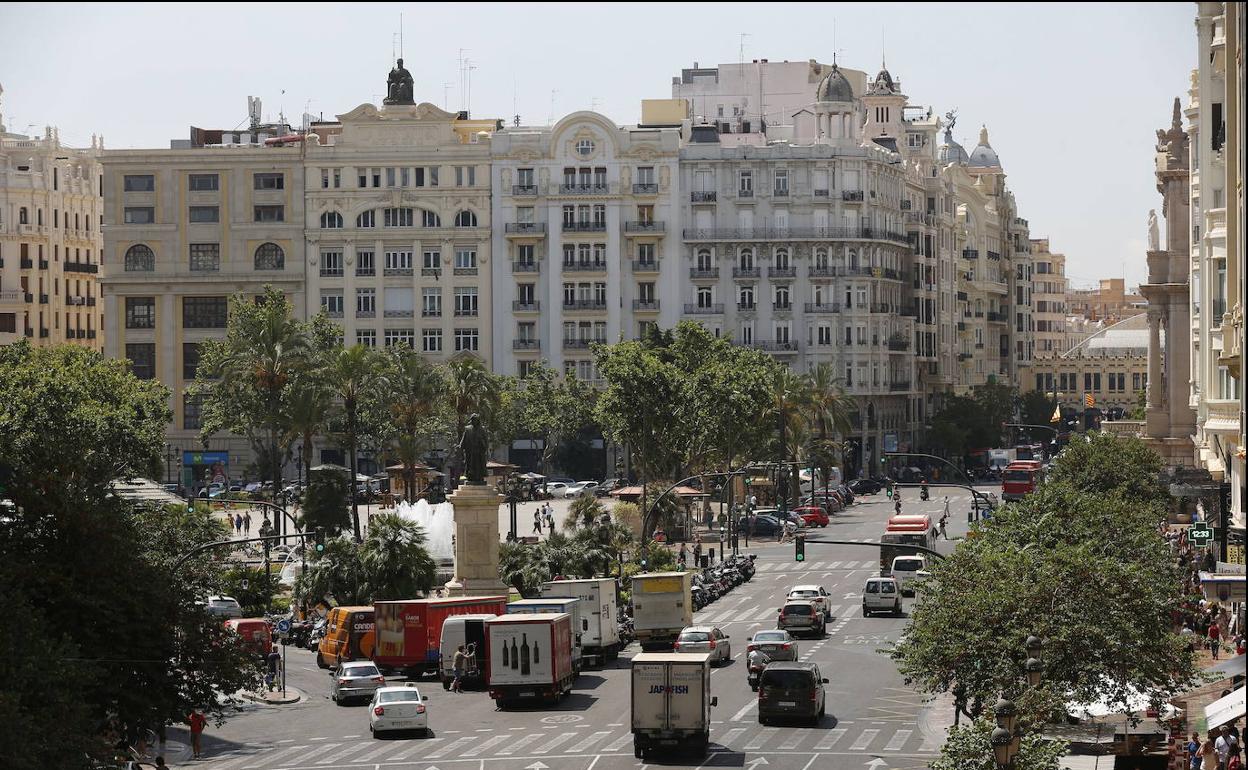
(1057, 414)
(1088, 401)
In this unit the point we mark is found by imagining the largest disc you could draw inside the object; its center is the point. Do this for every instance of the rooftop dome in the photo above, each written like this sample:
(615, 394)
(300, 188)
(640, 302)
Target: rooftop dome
(835, 88)
(950, 151)
(984, 156)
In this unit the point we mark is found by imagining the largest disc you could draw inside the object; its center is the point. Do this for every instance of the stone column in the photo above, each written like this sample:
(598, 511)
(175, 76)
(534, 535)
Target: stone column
(476, 542)
(1157, 422)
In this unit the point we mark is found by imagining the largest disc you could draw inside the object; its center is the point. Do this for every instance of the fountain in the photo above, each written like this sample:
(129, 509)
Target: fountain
(438, 522)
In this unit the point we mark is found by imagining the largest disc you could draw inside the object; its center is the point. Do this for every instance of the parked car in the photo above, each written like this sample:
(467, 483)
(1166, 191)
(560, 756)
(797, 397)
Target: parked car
(791, 690)
(709, 639)
(812, 593)
(865, 486)
(778, 644)
(813, 515)
(774, 513)
(763, 526)
(802, 615)
(881, 594)
(224, 606)
(398, 708)
(355, 680)
(581, 488)
(607, 487)
(556, 488)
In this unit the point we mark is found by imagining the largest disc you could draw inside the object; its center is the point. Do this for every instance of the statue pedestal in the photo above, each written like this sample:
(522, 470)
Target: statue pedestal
(476, 542)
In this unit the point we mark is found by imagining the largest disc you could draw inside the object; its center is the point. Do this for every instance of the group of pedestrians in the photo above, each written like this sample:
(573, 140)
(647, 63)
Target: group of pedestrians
(544, 516)
(1220, 750)
(240, 521)
(683, 556)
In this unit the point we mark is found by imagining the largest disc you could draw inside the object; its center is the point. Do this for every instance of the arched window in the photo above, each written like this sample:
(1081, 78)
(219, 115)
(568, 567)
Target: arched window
(397, 217)
(430, 219)
(23, 217)
(821, 258)
(705, 261)
(747, 260)
(366, 219)
(269, 256)
(782, 259)
(853, 259)
(782, 298)
(140, 259)
(465, 219)
(746, 298)
(331, 220)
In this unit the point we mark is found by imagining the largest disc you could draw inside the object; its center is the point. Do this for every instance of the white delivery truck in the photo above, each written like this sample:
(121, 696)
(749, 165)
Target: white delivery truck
(671, 702)
(468, 630)
(598, 625)
(662, 607)
(570, 606)
(530, 657)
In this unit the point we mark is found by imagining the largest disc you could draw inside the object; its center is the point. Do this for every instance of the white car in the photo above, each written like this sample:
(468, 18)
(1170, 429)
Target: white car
(224, 606)
(556, 488)
(398, 708)
(709, 639)
(581, 488)
(881, 594)
(814, 594)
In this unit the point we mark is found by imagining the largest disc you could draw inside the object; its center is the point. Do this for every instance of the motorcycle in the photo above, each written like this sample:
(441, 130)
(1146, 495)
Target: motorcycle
(754, 672)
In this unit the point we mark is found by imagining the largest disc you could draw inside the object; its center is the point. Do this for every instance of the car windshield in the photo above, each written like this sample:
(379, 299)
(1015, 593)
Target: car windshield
(786, 679)
(695, 636)
(797, 609)
(364, 670)
(769, 636)
(397, 696)
(908, 565)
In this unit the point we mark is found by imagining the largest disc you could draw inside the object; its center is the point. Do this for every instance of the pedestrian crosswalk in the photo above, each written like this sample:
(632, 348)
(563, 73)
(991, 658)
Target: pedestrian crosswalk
(789, 568)
(739, 733)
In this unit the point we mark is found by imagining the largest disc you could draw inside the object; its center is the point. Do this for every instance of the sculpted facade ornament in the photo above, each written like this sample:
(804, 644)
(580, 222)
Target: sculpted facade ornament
(1154, 237)
(399, 86)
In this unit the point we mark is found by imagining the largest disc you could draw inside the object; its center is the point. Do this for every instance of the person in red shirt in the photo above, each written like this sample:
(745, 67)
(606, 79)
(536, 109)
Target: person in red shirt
(198, 722)
(1215, 633)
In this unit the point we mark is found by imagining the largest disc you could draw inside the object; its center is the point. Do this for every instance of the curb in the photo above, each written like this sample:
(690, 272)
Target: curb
(936, 718)
(275, 698)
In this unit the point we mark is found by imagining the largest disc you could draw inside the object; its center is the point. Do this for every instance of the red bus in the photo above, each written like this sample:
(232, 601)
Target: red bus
(905, 530)
(1021, 477)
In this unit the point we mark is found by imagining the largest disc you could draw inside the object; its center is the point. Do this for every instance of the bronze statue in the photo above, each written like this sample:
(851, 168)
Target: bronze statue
(399, 86)
(474, 447)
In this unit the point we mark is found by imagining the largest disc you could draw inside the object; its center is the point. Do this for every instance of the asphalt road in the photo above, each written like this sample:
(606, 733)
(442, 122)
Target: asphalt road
(872, 718)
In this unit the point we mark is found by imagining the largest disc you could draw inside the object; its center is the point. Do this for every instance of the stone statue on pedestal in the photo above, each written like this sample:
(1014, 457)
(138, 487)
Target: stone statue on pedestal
(474, 447)
(399, 86)
(1154, 237)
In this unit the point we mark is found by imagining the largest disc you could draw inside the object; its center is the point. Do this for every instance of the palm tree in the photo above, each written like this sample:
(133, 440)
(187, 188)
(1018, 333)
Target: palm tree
(395, 560)
(307, 415)
(789, 399)
(354, 374)
(471, 389)
(830, 415)
(415, 391)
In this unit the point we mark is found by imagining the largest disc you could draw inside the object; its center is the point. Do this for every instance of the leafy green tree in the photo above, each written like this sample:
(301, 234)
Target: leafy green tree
(585, 511)
(471, 389)
(969, 748)
(1114, 466)
(522, 567)
(831, 410)
(641, 406)
(1140, 410)
(356, 376)
(308, 408)
(251, 586)
(325, 501)
(335, 576)
(557, 409)
(415, 394)
(1036, 408)
(790, 398)
(396, 562)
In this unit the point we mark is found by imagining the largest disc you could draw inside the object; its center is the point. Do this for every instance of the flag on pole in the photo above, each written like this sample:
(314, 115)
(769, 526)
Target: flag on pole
(1057, 414)
(1088, 401)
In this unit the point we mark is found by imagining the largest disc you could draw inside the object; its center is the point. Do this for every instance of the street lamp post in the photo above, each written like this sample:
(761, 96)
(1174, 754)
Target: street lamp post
(1007, 738)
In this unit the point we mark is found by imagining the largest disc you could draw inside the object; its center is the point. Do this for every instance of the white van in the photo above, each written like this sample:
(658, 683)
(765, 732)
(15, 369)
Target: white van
(881, 594)
(907, 569)
(468, 630)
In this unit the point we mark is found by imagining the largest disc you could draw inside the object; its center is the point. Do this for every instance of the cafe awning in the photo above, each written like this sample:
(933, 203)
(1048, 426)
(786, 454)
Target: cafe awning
(1225, 709)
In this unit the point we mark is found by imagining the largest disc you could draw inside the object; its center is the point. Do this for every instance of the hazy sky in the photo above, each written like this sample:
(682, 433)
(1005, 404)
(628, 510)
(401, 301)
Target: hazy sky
(1071, 94)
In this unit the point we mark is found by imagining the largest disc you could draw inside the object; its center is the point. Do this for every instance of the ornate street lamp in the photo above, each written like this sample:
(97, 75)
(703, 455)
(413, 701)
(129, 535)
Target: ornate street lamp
(1006, 714)
(1001, 739)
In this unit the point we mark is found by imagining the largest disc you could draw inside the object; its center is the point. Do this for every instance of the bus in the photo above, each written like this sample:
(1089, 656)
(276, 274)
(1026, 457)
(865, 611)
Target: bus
(1021, 477)
(901, 531)
(1029, 452)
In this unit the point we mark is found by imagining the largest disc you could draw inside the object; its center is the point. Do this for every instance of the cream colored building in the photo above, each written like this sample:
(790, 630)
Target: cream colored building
(50, 241)
(587, 236)
(1110, 364)
(398, 227)
(1050, 289)
(184, 229)
(1215, 126)
(1109, 301)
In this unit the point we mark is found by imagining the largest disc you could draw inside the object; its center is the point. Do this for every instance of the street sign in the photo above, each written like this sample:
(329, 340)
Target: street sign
(283, 626)
(1200, 534)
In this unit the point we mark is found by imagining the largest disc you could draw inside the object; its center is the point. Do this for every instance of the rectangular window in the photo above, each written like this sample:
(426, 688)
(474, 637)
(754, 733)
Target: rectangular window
(204, 312)
(270, 213)
(431, 260)
(270, 181)
(398, 260)
(140, 312)
(139, 183)
(431, 302)
(190, 360)
(782, 182)
(365, 302)
(431, 340)
(365, 263)
(366, 337)
(202, 182)
(204, 214)
(645, 175)
(466, 339)
(399, 218)
(331, 263)
(139, 215)
(191, 406)
(399, 337)
(205, 257)
(465, 259)
(142, 359)
(465, 300)
(331, 303)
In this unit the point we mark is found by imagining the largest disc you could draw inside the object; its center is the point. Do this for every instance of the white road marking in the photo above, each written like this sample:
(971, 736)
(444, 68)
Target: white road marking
(458, 743)
(316, 752)
(731, 736)
(829, 740)
(333, 758)
(412, 749)
(582, 745)
(898, 740)
(793, 741)
(758, 740)
(864, 740)
(740, 715)
(479, 748)
(617, 744)
(373, 754)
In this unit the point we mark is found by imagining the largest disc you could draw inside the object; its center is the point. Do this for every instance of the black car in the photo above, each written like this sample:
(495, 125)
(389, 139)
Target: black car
(865, 486)
(791, 690)
(763, 525)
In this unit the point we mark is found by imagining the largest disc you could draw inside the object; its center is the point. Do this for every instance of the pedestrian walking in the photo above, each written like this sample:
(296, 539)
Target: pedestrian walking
(197, 722)
(682, 557)
(537, 521)
(1208, 754)
(238, 523)
(1222, 747)
(550, 518)
(1215, 635)
(944, 520)
(458, 664)
(697, 550)
(946, 513)
(247, 523)
(1193, 752)
(273, 662)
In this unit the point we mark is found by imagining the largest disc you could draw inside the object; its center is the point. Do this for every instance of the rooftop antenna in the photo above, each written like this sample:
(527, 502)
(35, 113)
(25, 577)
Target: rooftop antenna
(551, 120)
(446, 89)
(471, 67)
(883, 46)
(400, 34)
(462, 65)
(741, 47)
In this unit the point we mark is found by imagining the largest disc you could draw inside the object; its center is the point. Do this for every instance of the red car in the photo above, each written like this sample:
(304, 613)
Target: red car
(813, 515)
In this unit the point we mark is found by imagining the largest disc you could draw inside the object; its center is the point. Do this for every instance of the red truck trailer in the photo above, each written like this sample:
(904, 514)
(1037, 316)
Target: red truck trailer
(530, 657)
(409, 631)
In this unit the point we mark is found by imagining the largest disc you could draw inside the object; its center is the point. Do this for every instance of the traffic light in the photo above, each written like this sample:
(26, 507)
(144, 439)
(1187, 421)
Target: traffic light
(318, 538)
(799, 548)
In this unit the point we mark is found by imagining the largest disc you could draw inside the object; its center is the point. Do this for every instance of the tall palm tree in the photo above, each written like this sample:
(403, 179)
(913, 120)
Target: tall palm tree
(789, 399)
(830, 414)
(353, 374)
(395, 559)
(307, 414)
(416, 388)
(471, 389)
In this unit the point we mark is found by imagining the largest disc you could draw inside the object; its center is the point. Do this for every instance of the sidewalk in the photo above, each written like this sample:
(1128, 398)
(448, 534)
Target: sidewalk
(276, 697)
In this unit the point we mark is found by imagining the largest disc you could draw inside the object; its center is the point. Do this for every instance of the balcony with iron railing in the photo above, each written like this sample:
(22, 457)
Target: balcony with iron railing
(970, 253)
(821, 271)
(820, 193)
(645, 226)
(398, 313)
(820, 308)
(793, 234)
(995, 317)
(704, 274)
(525, 267)
(366, 313)
(26, 263)
(389, 271)
(994, 256)
(780, 192)
(43, 264)
(881, 307)
(580, 344)
(746, 273)
(526, 345)
(526, 306)
(703, 196)
(645, 266)
(745, 194)
(524, 189)
(714, 308)
(746, 306)
(898, 343)
(782, 272)
(584, 227)
(584, 189)
(782, 307)
(43, 299)
(646, 305)
(462, 271)
(585, 304)
(645, 189)
(771, 346)
(899, 386)
(584, 267)
(522, 229)
(853, 196)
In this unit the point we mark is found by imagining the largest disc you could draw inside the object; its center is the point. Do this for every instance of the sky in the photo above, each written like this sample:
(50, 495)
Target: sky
(1071, 93)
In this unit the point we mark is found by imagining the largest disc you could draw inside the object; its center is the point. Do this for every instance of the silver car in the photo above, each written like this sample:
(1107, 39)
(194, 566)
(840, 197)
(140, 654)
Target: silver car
(357, 680)
(708, 639)
(777, 645)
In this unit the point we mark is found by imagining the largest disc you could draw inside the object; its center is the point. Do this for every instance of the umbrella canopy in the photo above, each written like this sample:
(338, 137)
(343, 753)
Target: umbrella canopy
(532, 476)
(678, 491)
(330, 467)
(496, 464)
(418, 467)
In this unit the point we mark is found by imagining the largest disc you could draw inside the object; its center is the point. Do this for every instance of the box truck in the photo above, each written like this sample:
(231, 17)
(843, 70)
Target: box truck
(468, 630)
(570, 606)
(662, 607)
(530, 657)
(599, 626)
(671, 702)
(409, 631)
